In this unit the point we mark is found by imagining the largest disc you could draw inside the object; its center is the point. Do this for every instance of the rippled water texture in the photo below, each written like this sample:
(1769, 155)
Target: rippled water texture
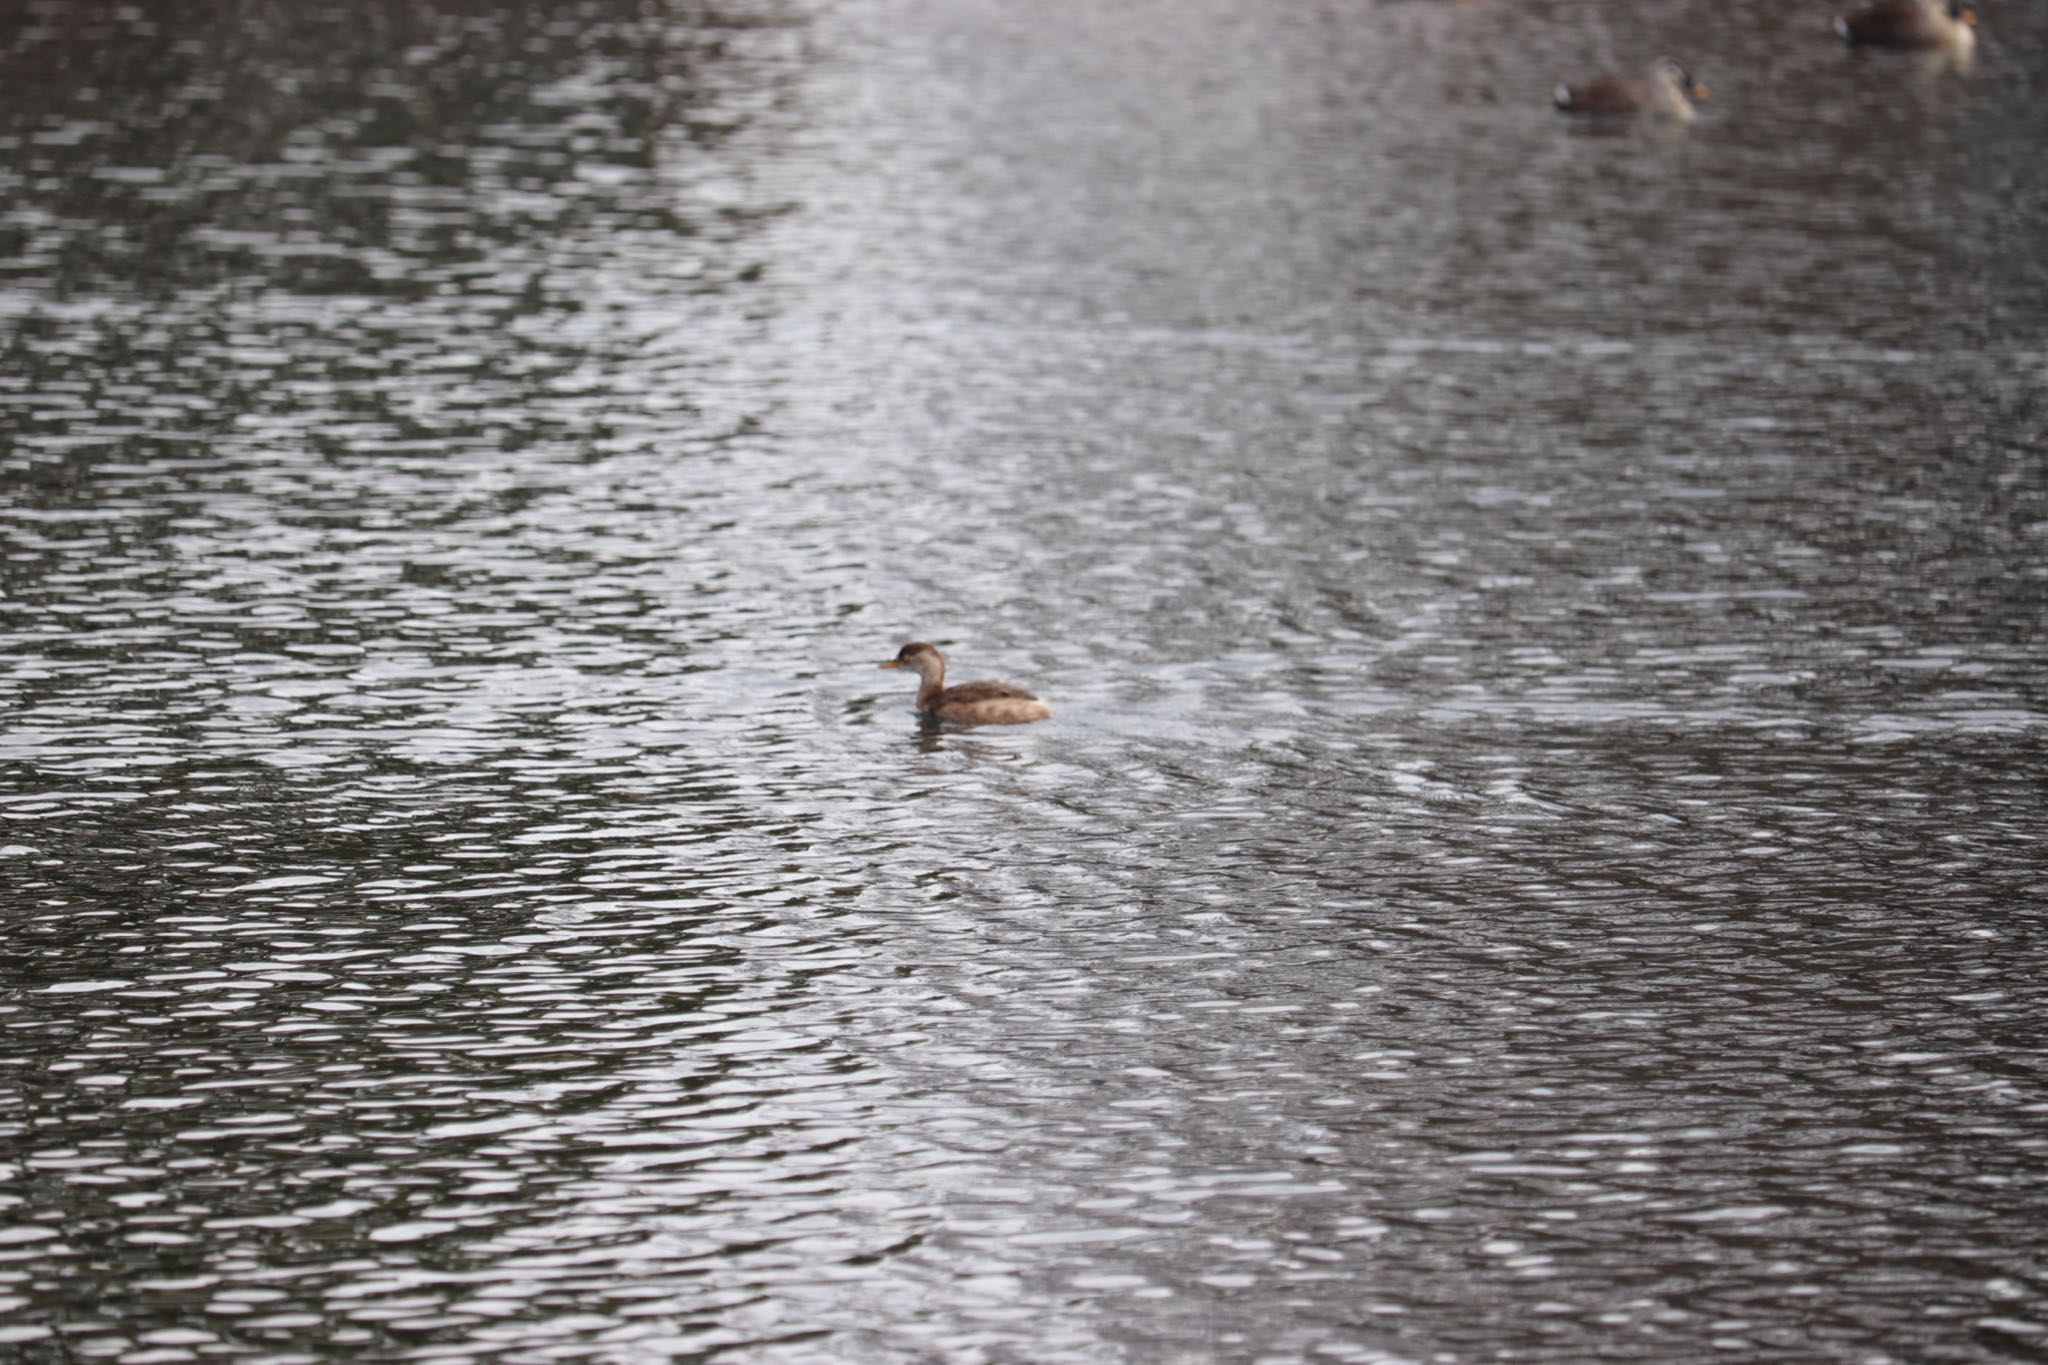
(1538, 855)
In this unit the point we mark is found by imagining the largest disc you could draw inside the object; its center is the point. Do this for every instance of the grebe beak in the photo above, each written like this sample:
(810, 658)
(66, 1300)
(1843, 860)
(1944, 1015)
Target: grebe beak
(893, 663)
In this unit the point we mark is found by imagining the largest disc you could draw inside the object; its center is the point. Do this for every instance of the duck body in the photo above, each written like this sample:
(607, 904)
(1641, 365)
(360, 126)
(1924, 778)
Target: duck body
(975, 703)
(1667, 91)
(1912, 25)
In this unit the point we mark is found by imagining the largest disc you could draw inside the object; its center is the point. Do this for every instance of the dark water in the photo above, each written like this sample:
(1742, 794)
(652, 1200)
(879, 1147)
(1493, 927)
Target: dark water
(1538, 855)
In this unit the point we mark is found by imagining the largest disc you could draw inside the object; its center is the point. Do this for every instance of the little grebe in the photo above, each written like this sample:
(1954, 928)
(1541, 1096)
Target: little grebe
(1945, 25)
(1668, 91)
(975, 703)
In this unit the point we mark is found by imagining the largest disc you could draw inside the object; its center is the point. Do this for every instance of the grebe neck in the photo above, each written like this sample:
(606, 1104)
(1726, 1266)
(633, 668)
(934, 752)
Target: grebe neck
(932, 673)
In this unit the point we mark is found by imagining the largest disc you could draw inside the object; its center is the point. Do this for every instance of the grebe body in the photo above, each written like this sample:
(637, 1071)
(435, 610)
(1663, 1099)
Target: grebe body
(1667, 91)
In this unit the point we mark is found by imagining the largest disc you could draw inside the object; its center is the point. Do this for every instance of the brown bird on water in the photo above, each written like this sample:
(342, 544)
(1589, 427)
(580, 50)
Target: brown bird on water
(1668, 91)
(975, 703)
(1919, 25)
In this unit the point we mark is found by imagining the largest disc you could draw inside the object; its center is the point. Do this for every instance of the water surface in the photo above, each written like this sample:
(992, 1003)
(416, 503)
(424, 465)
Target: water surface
(1537, 857)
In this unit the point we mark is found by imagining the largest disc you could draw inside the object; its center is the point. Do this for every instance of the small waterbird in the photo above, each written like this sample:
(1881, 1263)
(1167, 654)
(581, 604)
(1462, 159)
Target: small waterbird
(975, 703)
(1667, 91)
(1913, 25)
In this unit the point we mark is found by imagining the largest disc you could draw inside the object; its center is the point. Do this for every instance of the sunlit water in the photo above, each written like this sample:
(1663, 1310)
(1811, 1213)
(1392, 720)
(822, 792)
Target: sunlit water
(1538, 854)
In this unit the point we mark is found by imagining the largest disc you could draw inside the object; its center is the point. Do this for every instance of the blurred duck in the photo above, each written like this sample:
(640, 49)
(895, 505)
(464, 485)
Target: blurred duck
(1668, 91)
(975, 703)
(1923, 25)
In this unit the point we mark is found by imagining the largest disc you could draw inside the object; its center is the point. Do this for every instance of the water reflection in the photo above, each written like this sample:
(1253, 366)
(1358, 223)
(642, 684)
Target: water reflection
(1538, 849)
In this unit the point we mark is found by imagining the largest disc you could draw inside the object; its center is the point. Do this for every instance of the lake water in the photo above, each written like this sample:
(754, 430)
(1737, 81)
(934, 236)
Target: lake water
(1538, 856)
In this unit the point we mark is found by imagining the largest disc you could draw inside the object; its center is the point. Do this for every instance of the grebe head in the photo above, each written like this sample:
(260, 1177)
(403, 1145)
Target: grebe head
(1673, 72)
(920, 658)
